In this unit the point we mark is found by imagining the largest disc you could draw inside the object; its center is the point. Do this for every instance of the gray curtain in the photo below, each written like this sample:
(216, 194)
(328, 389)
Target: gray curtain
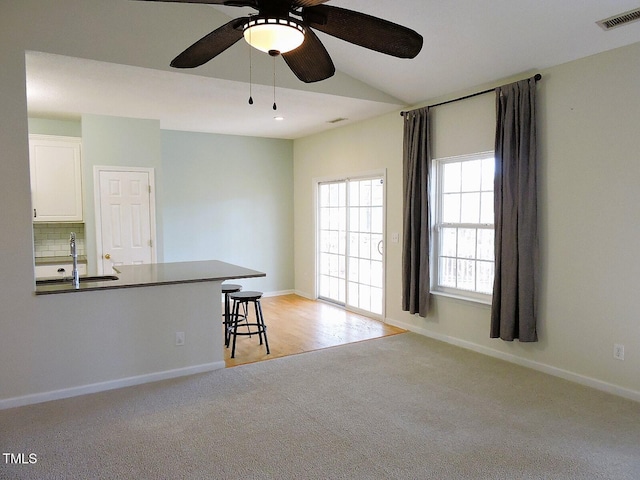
(415, 252)
(513, 311)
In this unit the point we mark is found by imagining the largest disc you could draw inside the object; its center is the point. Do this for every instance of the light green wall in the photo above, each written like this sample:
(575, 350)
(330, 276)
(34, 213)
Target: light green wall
(230, 198)
(64, 128)
(589, 119)
(124, 142)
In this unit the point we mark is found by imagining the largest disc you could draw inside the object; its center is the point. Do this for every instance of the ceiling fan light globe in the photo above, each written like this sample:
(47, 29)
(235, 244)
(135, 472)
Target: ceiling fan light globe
(274, 34)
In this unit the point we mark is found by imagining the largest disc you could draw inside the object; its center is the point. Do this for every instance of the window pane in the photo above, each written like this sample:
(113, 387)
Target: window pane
(324, 264)
(485, 277)
(449, 242)
(324, 195)
(486, 208)
(342, 192)
(324, 218)
(365, 271)
(334, 194)
(376, 219)
(467, 243)
(354, 242)
(471, 174)
(376, 247)
(333, 242)
(334, 288)
(333, 265)
(324, 241)
(451, 208)
(466, 274)
(354, 193)
(377, 193)
(365, 297)
(485, 244)
(451, 177)
(376, 300)
(353, 269)
(365, 192)
(470, 210)
(365, 219)
(354, 298)
(488, 167)
(354, 219)
(447, 272)
(365, 246)
(376, 274)
(324, 286)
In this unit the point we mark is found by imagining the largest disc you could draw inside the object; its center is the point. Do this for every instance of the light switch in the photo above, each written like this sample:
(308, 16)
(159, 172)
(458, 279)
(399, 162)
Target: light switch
(395, 237)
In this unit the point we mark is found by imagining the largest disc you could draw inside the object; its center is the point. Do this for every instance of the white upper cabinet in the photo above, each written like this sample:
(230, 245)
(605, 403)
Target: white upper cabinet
(56, 178)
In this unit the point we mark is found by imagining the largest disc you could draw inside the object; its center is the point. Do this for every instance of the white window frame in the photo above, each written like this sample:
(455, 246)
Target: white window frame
(438, 224)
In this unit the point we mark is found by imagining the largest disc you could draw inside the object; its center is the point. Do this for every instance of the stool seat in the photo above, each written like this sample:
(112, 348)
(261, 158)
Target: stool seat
(231, 287)
(246, 296)
(252, 328)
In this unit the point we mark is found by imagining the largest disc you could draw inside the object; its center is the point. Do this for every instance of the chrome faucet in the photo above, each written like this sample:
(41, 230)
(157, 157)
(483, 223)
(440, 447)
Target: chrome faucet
(74, 254)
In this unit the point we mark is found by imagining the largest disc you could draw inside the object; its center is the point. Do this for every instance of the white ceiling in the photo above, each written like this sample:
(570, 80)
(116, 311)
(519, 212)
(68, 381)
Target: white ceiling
(466, 43)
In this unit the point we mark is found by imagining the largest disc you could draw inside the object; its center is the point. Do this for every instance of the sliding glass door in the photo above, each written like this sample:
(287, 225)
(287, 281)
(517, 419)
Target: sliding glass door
(350, 251)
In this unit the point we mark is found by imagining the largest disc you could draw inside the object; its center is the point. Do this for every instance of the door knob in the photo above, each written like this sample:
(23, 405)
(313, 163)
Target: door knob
(107, 256)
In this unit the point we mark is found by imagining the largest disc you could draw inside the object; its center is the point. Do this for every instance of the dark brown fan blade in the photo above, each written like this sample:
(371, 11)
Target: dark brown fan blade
(231, 3)
(364, 30)
(307, 3)
(211, 45)
(310, 61)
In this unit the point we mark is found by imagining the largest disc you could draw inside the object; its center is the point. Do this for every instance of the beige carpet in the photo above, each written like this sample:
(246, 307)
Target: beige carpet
(400, 407)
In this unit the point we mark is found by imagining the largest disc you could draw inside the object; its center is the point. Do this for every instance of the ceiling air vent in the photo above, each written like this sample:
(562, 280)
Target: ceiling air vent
(619, 20)
(337, 120)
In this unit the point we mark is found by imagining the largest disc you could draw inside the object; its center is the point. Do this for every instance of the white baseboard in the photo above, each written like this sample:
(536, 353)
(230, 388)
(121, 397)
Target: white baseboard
(304, 295)
(278, 293)
(108, 385)
(541, 367)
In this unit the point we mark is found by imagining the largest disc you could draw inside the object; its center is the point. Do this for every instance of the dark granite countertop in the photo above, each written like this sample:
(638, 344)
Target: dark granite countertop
(132, 276)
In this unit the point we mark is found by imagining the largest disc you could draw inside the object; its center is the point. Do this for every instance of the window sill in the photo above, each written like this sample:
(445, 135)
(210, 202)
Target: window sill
(463, 298)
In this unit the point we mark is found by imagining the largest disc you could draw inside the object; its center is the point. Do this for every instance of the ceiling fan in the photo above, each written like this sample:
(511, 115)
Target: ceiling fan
(285, 27)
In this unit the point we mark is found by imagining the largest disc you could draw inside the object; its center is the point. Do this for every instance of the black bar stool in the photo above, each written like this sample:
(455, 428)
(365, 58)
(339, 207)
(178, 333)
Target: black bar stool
(259, 327)
(228, 288)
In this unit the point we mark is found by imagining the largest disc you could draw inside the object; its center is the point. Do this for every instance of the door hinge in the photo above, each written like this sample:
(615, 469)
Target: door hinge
(149, 188)
(151, 243)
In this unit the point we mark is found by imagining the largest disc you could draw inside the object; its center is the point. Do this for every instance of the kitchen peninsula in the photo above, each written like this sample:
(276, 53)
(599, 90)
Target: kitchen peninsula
(155, 322)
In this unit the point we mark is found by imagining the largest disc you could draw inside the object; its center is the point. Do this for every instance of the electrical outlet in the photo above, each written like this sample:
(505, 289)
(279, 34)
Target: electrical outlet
(618, 351)
(179, 338)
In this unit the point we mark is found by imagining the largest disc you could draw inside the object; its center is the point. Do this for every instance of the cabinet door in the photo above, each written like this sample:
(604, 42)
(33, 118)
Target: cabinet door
(56, 178)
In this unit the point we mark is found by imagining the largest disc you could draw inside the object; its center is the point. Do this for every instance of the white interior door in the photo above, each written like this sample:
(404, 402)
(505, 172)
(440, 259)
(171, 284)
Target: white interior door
(350, 243)
(126, 232)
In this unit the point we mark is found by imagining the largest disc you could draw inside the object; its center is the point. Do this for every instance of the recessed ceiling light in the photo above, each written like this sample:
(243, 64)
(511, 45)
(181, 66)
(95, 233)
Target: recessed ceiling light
(278, 118)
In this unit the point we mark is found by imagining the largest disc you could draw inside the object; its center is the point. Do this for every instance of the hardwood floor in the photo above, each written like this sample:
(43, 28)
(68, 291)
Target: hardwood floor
(296, 324)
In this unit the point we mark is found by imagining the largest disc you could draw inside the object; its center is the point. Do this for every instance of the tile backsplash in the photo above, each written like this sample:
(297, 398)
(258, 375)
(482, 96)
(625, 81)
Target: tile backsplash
(52, 239)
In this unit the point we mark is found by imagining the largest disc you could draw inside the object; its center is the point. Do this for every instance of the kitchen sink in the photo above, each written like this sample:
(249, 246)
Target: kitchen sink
(63, 280)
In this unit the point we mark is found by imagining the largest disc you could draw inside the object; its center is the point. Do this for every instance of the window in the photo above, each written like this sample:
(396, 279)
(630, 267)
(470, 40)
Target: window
(463, 260)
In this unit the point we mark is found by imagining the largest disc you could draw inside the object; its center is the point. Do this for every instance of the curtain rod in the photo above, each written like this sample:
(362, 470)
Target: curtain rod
(536, 78)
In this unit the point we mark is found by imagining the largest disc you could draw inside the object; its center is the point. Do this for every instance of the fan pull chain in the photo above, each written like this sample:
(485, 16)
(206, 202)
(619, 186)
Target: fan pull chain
(275, 107)
(250, 73)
